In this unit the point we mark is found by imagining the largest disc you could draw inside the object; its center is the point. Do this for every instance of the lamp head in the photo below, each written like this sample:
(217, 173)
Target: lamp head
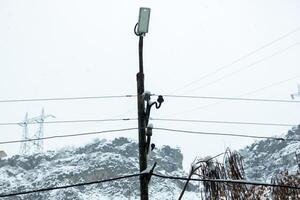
(143, 24)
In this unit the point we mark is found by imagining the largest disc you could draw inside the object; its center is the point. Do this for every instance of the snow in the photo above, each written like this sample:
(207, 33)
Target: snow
(95, 161)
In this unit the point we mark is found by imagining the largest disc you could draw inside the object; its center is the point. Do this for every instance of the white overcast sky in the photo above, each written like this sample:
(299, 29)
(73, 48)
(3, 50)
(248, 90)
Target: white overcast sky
(87, 48)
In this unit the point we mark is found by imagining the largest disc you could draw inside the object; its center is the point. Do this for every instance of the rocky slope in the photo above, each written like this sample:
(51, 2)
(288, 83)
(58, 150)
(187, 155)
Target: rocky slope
(103, 159)
(95, 161)
(266, 158)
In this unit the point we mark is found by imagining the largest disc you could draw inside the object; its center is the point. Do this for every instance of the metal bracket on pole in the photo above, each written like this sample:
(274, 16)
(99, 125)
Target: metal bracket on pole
(147, 97)
(149, 172)
(148, 134)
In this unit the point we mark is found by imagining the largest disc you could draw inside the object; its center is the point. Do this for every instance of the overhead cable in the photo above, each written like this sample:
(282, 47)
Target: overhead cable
(242, 57)
(241, 95)
(157, 128)
(243, 182)
(231, 98)
(270, 85)
(68, 121)
(70, 186)
(68, 135)
(245, 67)
(222, 122)
(65, 98)
(154, 119)
(225, 134)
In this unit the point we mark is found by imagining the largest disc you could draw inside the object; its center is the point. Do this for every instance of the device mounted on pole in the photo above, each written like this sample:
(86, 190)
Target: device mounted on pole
(142, 26)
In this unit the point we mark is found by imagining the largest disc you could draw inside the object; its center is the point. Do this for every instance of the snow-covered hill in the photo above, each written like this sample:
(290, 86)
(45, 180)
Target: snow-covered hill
(95, 161)
(266, 158)
(102, 159)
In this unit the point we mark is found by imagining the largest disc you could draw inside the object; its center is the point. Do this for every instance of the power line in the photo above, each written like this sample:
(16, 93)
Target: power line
(65, 98)
(241, 58)
(68, 135)
(256, 90)
(231, 98)
(72, 185)
(69, 121)
(89, 120)
(227, 181)
(270, 85)
(163, 129)
(241, 95)
(222, 122)
(246, 67)
(154, 119)
(156, 175)
(225, 134)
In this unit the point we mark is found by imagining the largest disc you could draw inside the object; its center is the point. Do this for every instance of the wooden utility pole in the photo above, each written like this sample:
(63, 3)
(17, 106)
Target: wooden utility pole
(142, 124)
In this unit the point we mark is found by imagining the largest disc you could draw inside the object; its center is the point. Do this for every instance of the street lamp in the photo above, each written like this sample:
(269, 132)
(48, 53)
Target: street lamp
(140, 29)
(143, 23)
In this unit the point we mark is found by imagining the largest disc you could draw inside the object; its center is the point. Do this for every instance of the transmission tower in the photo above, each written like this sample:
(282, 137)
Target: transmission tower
(35, 146)
(296, 94)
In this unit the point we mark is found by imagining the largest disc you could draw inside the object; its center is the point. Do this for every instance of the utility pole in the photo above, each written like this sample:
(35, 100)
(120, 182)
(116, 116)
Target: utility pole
(144, 130)
(142, 124)
(143, 22)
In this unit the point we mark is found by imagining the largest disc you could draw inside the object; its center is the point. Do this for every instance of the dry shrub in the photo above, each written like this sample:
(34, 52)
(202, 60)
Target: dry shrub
(232, 169)
(284, 178)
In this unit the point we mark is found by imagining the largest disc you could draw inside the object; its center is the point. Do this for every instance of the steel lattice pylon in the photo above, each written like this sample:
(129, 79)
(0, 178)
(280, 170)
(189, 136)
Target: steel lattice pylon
(35, 146)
